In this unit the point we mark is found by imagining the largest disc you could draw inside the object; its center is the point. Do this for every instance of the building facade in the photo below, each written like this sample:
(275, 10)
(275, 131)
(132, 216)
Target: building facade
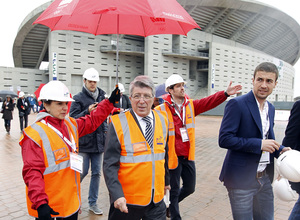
(205, 58)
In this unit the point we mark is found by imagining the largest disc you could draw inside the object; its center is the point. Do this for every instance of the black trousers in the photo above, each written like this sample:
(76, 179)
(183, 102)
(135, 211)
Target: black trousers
(22, 120)
(186, 171)
(149, 212)
(72, 217)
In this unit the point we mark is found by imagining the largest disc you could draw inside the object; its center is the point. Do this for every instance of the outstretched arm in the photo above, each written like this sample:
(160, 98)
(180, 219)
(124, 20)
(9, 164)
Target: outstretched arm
(232, 90)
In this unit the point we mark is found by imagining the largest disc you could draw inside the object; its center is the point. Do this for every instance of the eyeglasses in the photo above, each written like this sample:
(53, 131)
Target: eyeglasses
(139, 97)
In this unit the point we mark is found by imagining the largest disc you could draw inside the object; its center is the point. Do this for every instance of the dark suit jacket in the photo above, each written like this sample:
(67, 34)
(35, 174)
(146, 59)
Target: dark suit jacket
(27, 106)
(93, 142)
(241, 133)
(292, 134)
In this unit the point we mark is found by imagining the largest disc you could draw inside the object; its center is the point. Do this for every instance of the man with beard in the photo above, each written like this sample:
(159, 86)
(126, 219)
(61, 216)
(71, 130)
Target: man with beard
(181, 112)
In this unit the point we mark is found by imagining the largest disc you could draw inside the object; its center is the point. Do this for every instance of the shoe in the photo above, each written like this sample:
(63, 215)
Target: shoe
(96, 210)
(168, 214)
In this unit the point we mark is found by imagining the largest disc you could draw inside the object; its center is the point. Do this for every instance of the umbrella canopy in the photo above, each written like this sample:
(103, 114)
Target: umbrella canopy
(160, 90)
(38, 90)
(4, 93)
(132, 17)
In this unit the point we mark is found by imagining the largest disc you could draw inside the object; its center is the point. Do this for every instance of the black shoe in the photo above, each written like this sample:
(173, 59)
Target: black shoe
(168, 214)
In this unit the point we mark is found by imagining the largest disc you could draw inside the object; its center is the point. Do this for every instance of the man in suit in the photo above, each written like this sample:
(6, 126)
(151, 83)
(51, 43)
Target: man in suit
(292, 139)
(136, 157)
(247, 132)
(23, 106)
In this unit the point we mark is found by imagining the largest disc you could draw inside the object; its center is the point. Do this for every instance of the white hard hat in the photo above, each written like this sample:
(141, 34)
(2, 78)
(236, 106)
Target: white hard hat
(21, 94)
(121, 87)
(289, 165)
(283, 190)
(91, 74)
(172, 80)
(56, 91)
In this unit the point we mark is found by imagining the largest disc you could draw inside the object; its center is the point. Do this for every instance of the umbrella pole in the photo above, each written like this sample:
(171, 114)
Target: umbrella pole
(117, 57)
(117, 73)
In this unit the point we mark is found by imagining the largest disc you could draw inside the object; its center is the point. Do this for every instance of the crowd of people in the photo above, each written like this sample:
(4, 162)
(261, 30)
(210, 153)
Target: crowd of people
(147, 149)
(24, 106)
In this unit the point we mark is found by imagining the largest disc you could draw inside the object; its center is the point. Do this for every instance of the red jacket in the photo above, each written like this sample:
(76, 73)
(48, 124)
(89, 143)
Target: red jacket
(200, 106)
(33, 157)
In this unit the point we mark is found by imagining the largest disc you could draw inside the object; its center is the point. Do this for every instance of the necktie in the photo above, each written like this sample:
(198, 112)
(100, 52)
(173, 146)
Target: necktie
(148, 131)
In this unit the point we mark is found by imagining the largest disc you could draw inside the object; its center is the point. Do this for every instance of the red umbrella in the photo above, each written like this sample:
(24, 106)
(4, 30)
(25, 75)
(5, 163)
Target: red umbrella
(37, 91)
(132, 17)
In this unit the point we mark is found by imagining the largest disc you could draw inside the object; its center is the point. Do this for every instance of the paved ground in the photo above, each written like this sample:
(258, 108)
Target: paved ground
(210, 200)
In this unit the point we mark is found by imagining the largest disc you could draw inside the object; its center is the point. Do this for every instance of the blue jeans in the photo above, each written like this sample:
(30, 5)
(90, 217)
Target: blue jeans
(32, 108)
(96, 164)
(256, 203)
(295, 214)
(186, 170)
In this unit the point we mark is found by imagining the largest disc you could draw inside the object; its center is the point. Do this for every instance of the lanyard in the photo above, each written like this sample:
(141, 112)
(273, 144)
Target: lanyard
(71, 144)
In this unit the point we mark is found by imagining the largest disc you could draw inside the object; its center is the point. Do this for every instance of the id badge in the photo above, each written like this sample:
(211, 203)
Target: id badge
(184, 134)
(265, 158)
(76, 162)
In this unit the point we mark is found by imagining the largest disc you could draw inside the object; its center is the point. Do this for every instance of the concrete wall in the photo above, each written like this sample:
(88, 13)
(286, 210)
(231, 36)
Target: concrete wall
(26, 80)
(77, 52)
(238, 64)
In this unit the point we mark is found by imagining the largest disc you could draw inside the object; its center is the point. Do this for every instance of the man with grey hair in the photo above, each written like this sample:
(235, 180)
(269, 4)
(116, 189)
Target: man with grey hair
(136, 157)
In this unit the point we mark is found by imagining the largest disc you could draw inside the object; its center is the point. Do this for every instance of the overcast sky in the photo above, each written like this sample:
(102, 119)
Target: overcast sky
(13, 12)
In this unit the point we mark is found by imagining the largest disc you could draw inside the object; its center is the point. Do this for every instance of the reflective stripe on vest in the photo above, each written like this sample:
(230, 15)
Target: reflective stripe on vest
(52, 166)
(190, 126)
(74, 128)
(136, 155)
(171, 131)
(129, 147)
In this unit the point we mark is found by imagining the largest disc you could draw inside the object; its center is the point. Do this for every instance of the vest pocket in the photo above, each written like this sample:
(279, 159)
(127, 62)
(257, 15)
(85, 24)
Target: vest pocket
(139, 147)
(60, 154)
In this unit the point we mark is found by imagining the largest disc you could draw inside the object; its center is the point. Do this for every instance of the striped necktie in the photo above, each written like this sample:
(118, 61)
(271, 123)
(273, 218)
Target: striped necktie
(148, 131)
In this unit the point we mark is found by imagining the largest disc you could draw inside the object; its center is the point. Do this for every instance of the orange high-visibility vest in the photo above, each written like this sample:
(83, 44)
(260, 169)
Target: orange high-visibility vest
(142, 168)
(62, 184)
(190, 126)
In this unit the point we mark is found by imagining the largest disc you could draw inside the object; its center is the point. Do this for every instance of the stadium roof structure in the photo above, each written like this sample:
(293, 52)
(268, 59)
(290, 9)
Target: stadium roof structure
(250, 23)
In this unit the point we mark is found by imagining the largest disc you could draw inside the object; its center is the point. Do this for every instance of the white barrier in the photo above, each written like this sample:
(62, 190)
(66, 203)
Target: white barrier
(282, 115)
